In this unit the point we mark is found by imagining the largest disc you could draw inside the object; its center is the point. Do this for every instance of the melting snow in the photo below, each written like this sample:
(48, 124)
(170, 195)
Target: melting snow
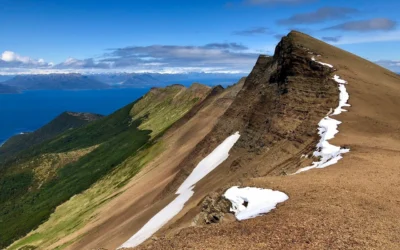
(330, 154)
(325, 64)
(343, 96)
(185, 191)
(208, 164)
(159, 220)
(250, 202)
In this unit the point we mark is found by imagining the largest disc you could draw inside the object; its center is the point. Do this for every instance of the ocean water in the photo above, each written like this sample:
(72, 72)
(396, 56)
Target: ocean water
(30, 110)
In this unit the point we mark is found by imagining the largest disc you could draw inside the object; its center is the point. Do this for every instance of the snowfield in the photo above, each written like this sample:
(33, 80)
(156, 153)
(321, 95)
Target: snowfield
(330, 154)
(185, 191)
(250, 202)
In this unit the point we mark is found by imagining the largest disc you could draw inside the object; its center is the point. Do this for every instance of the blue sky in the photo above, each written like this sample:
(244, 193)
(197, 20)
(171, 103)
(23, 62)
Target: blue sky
(179, 36)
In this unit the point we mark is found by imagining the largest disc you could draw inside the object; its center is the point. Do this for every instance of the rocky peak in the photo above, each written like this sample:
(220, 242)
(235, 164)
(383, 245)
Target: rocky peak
(276, 113)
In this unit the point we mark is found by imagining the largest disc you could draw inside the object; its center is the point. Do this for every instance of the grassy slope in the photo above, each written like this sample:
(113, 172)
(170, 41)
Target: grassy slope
(160, 109)
(57, 126)
(24, 207)
(72, 215)
(163, 107)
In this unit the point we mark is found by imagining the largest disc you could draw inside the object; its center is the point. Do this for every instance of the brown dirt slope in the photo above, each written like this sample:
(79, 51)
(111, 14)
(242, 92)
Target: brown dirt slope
(351, 205)
(125, 214)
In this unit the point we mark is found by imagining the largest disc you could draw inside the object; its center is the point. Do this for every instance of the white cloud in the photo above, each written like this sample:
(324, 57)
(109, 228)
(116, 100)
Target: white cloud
(8, 56)
(13, 59)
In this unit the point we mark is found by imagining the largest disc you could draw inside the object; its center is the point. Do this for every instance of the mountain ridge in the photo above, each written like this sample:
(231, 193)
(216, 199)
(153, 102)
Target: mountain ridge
(327, 208)
(276, 110)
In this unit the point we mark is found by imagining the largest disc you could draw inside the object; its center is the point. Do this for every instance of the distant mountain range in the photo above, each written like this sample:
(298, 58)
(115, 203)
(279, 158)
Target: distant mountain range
(5, 77)
(54, 81)
(14, 84)
(5, 89)
(162, 80)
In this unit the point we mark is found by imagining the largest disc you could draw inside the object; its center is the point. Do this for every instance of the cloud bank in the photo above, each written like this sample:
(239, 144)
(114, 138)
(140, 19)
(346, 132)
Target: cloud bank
(212, 57)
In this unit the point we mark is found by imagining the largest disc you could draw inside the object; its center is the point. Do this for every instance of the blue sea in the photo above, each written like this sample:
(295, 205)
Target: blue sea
(30, 110)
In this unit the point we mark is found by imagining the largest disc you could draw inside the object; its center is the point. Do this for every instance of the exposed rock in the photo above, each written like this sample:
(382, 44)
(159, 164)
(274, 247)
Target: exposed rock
(276, 113)
(214, 208)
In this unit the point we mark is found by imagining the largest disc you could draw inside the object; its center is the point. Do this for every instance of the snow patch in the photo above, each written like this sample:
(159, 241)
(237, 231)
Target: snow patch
(208, 164)
(330, 154)
(185, 191)
(158, 220)
(325, 64)
(343, 96)
(250, 202)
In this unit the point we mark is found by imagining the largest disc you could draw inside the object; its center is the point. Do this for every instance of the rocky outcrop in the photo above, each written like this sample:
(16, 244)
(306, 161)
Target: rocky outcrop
(276, 112)
(214, 209)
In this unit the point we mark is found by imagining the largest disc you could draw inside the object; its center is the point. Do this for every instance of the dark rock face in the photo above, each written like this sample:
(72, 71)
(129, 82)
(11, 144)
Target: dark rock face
(277, 114)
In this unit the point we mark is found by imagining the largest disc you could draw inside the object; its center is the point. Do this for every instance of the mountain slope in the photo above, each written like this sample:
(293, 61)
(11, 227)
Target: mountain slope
(55, 81)
(63, 122)
(118, 192)
(348, 205)
(6, 89)
(163, 107)
(277, 114)
(26, 203)
(277, 110)
(101, 145)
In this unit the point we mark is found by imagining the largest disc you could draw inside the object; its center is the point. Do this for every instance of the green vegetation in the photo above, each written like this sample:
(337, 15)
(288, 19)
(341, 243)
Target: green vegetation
(72, 215)
(163, 107)
(116, 148)
(60, 124)
(22, 211)
(15, 185)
